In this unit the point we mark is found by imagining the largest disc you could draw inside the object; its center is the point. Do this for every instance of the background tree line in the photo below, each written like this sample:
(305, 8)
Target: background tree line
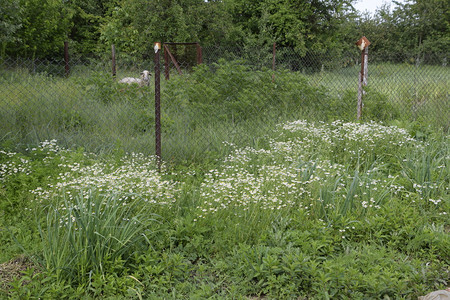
(38, 28)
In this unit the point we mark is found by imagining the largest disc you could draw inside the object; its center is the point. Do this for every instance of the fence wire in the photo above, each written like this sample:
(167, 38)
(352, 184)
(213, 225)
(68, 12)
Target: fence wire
(209, 96)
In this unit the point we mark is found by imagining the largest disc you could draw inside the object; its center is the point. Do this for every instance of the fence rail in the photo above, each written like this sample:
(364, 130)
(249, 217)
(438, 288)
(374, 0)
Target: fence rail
(209, 95)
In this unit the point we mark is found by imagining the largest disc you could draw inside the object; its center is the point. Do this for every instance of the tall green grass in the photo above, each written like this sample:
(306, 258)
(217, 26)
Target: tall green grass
(227, 101)
(408, 91)
(87, 236)
(311, 209)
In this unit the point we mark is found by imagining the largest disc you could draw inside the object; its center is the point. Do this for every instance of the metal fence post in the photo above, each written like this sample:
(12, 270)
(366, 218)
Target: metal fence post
(199, 54)
(166, 64)
(113, 54)
(157, 48)
(66, 58)
(363, 45)
(273, 60)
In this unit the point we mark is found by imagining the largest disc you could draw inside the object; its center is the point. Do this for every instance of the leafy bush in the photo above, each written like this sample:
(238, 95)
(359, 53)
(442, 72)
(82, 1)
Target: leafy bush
(228, 90)
(376, 106)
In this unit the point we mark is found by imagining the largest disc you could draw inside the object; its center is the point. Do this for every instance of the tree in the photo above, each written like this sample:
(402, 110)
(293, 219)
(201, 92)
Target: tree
(10, 22)
(414, 30)
(424, 25)
(87, 18)
(43, 30)
(134, 25)
(305, 25)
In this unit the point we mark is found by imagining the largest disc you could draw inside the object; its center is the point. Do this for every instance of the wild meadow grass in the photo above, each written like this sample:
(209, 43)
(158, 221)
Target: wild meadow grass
(252, 200)
(83, 236)
(311, 209)
(225, 101)
(415, 92)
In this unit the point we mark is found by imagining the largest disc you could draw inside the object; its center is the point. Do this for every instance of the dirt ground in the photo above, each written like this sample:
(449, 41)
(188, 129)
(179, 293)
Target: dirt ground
(13, 269)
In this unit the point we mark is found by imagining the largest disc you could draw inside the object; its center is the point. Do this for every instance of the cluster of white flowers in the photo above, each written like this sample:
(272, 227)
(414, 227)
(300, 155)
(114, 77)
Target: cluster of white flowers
(289, 170)
(13, 165)
(51, 146)
(435, 202)
(346, 229)
(367, 136)
(370, 204)
(135, 176)
(289, 173)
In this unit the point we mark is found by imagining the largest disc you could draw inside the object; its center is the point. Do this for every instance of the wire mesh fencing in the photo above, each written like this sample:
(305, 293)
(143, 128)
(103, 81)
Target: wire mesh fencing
(209, 96)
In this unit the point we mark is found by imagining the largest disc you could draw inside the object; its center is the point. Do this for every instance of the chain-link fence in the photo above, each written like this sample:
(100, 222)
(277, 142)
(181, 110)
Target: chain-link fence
(209, 96)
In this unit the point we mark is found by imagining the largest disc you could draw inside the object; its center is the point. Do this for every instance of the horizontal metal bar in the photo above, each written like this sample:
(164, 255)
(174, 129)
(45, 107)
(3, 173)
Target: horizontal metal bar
(196, 43)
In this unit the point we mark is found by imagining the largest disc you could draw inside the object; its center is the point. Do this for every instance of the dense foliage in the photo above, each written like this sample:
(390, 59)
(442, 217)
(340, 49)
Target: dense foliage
(38, 28)
(417, 29)
(252, 201)
(316, 210)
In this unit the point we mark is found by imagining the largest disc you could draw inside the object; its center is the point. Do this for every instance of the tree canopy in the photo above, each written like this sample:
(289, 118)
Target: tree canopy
(38, 28)
(416, 27)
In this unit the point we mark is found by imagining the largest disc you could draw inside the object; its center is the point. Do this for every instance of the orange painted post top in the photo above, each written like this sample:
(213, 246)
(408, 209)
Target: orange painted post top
(363, 43)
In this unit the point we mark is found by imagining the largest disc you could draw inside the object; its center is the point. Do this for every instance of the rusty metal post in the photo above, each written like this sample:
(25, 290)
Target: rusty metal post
(166, 63)
(113, 53)
(366, 65)
(174, 61)
(157, 107)
(363, 45)
(66, 58)
(199, 54)
(362, 80)
(360, 88)
(273, 60)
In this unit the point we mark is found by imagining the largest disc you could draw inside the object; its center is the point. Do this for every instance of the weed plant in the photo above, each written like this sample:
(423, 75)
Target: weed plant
(313, 209)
